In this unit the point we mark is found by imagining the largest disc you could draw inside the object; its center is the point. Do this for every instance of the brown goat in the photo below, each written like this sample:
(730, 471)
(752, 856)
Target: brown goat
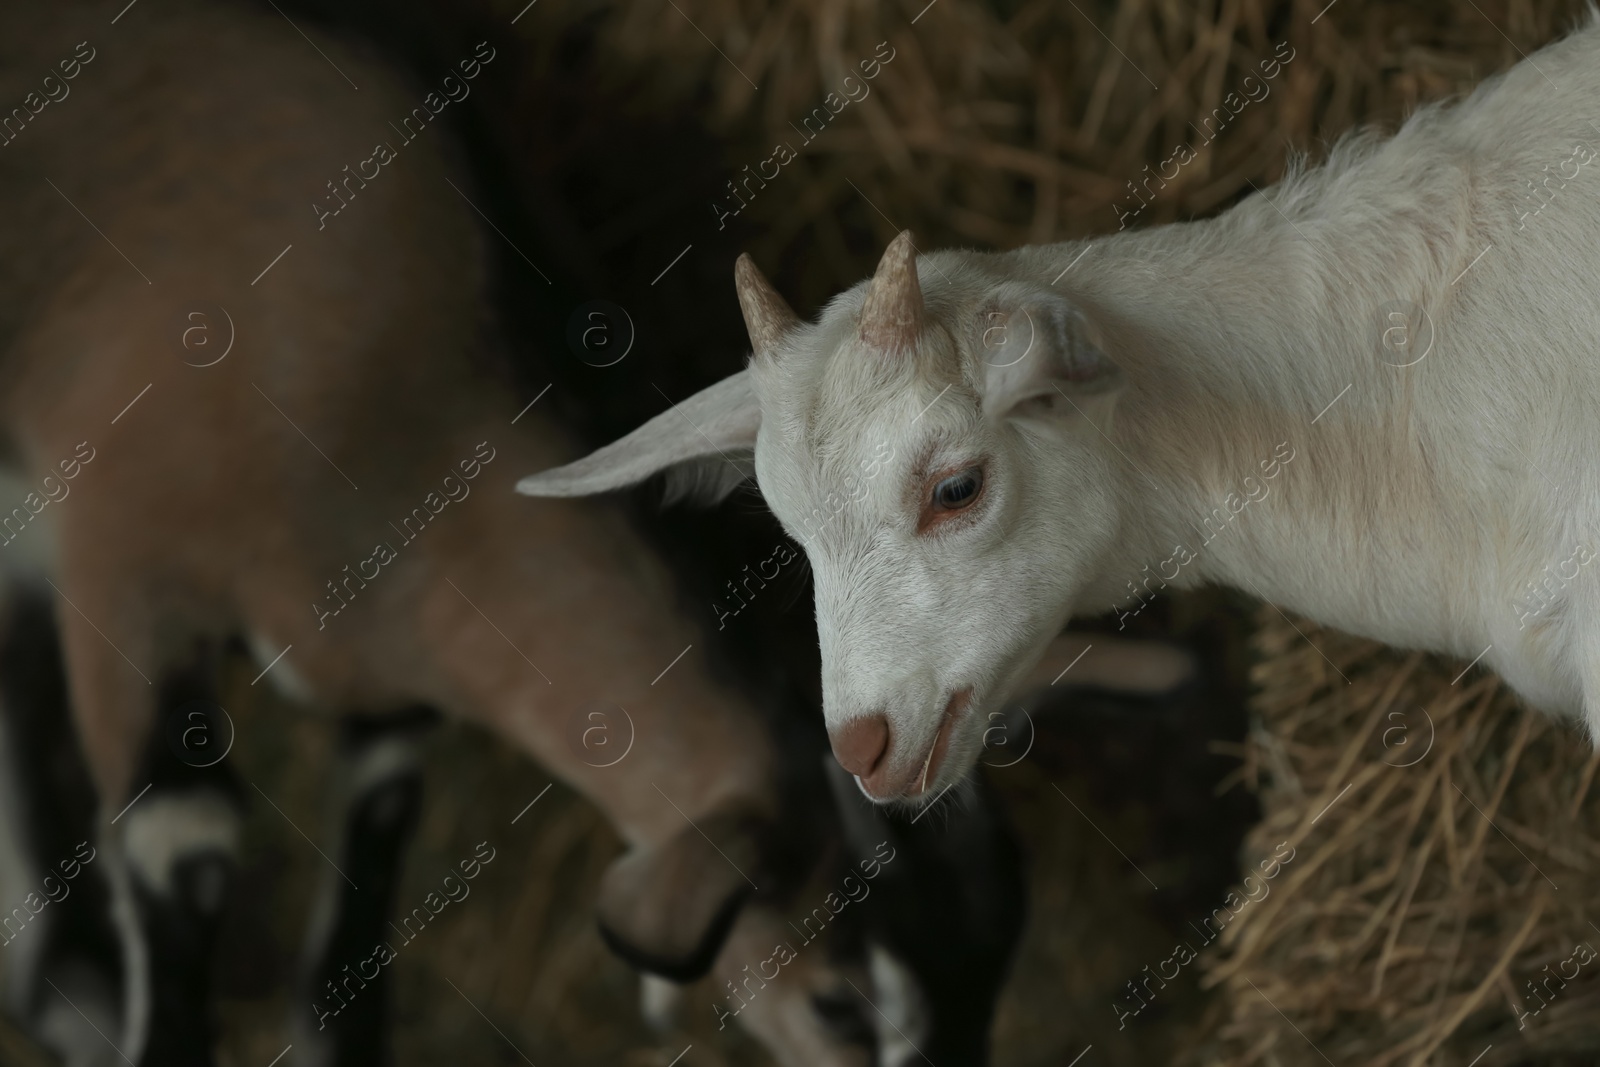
(249, 391)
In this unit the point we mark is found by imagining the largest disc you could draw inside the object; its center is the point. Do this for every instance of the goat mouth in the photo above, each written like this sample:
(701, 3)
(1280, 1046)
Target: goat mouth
(913, 782)
(954, 709)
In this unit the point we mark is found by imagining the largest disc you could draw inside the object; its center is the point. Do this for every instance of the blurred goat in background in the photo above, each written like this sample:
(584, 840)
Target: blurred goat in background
(252, 397)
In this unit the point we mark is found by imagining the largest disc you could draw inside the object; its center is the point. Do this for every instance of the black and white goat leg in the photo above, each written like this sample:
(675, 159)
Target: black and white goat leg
(61, 965)
(959, 873)
(341, 1011)
(173, 847)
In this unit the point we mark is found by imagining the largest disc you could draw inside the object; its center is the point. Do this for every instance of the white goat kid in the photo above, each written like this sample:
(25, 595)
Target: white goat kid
(973, 447)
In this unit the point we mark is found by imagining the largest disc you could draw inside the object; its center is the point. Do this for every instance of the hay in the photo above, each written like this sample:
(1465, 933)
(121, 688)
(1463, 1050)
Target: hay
(1020, 121)
(1446, 852)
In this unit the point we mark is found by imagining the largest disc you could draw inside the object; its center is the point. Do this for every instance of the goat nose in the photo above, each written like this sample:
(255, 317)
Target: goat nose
(860, 744)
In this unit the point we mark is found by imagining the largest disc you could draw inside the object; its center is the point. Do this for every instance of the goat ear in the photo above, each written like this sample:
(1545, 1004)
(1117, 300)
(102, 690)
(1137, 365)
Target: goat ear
(1042, 357)
(707, 444)
(666, 909)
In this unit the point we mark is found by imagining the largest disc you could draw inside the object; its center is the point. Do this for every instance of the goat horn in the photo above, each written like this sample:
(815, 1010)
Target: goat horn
(766, 316)
(892, 316)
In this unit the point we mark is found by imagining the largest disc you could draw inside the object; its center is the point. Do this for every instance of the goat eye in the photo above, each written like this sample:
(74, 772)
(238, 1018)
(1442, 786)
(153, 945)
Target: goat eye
(958, 490)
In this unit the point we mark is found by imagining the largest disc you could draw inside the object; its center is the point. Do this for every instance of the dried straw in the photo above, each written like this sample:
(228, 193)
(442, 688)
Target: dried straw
(1446, 855)
(1019, 121)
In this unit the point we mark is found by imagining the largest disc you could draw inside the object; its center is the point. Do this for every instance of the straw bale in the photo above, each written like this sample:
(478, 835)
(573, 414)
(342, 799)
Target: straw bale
(1439, 903)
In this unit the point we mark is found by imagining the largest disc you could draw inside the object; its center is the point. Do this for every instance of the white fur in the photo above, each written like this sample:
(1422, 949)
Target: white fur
(1413, 510)
(156, 832)
(137, 995)
(378, 762)
(660, 1002)
(280, 671)
(161, 830)
(32, 550)
(901, 1015)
